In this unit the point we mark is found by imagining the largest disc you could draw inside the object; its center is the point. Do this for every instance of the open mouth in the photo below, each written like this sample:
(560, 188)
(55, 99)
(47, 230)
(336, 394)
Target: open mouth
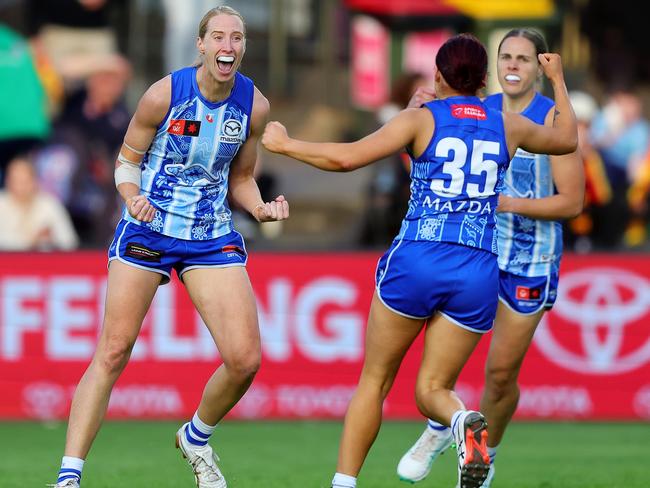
(512, 78)
(225, 63)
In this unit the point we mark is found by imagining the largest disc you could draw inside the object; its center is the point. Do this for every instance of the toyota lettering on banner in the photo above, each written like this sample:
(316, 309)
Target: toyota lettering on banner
(590, 358)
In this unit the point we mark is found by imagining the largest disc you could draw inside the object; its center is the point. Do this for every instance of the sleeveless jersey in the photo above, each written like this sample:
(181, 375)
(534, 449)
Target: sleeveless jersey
(454, 183)
(185, 170)
(528, 247)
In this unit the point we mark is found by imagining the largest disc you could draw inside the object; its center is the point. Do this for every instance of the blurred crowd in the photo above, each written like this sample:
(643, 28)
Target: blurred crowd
(63, 81)
(63, 123)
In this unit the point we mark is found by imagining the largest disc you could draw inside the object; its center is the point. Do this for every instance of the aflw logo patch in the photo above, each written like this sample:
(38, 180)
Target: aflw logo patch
(184, 127)
(525, 293)
(468, 112)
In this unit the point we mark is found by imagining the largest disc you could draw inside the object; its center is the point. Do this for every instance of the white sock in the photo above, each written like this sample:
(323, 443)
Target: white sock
(198, 432)
(492, 452)
(341, 480)
(71, 467)
(455, 417)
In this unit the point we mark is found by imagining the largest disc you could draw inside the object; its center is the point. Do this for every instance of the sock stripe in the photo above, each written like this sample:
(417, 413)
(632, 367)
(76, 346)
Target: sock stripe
(196, 432)
(436, 426)
(68, 477)
(192, 440)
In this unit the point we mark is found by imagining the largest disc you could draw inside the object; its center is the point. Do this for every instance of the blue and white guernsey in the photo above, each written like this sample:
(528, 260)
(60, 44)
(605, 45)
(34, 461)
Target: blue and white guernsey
(185, 171)
(454, 183)
(528, 247)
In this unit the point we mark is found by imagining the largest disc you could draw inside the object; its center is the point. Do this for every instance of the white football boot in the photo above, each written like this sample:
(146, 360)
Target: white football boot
(415, 465)
(470, 435)
(203, 461)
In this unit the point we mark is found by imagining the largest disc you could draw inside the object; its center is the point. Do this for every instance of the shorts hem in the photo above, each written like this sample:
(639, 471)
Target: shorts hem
(145, 268)
(466, 327)
(543, 306)
(397, 311)
(205, 266)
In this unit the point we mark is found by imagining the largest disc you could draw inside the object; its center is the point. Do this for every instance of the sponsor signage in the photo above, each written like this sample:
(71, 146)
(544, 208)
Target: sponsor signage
(590, 358)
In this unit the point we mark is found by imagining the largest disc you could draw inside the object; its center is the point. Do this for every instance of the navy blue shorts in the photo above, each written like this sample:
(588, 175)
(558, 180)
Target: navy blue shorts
(527, 295)
(416, 279)
(138, 246)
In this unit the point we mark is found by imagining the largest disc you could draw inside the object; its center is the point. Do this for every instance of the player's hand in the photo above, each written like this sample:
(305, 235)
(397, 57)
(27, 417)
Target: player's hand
(422, 95)
(505, 204)
(275, 137)
(140, 208)
(276, 210)
(552, 66)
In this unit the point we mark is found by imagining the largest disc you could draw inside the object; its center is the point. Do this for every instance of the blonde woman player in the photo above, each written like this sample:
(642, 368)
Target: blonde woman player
(191, 144)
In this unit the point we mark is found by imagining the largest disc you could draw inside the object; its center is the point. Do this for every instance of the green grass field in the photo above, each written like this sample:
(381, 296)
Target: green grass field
(303, 454)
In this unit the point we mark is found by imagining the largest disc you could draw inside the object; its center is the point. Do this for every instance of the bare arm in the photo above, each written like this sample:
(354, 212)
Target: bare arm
(569, 180)
(242, 187)
(397, 133)
(568, 176)
(562, 136)
(149, 114)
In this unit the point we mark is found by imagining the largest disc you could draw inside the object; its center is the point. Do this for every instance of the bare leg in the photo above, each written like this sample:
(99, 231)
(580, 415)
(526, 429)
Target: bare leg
(511, 338)
(224, 298)
(388, 337)
(447, 348)
(128, 297)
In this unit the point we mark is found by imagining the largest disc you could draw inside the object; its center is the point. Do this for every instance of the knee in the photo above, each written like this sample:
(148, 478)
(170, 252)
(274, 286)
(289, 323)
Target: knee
(243, 367)
(500, 380)
(113, 355)
(423, 392)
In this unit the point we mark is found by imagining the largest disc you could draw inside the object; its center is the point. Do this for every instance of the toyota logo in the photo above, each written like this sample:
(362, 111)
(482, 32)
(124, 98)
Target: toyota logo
(44, 400)
(603, 308)
(232, 127)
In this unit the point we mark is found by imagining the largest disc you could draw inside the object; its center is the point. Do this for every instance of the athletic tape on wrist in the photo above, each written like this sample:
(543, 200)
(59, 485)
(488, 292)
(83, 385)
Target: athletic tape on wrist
(127, 173)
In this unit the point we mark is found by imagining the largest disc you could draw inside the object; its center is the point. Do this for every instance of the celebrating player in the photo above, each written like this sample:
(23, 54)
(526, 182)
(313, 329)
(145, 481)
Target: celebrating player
(538, 191)
(442, 267)
(191, 143)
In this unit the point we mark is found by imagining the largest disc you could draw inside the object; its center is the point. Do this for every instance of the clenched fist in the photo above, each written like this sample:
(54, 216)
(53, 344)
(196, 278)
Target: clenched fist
(275, 137)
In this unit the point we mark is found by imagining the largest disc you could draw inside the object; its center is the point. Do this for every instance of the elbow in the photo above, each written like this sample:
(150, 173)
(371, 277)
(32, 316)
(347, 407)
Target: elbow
(344, 165)
(575, 209)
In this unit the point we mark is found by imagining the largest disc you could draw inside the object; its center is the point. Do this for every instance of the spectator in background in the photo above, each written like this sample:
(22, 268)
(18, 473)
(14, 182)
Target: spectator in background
(389, 189)
(77, 163)
(72, 35)
(32, 219)
(24, 121)
(584, 232)
(621, 135)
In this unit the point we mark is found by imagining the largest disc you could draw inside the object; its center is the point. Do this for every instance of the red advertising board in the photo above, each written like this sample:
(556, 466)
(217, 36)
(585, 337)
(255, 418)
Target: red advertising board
(590, 358)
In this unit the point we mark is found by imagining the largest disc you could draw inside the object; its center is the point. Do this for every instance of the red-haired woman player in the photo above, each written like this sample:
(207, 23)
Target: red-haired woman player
(442, 267)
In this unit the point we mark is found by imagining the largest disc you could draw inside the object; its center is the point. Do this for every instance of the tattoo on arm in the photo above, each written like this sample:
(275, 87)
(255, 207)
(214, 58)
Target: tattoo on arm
(555, 114)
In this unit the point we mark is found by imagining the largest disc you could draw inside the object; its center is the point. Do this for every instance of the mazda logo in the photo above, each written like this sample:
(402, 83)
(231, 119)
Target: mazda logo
(232, 127)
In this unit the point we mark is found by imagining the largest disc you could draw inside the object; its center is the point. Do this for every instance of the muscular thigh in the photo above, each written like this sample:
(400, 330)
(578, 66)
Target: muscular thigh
(511, 337)
(388, 337)
(129, 294)
(224, 298)
(447, 347)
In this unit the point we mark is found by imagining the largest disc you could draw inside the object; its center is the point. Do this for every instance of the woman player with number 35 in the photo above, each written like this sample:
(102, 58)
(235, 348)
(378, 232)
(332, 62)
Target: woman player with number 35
(441, 269)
